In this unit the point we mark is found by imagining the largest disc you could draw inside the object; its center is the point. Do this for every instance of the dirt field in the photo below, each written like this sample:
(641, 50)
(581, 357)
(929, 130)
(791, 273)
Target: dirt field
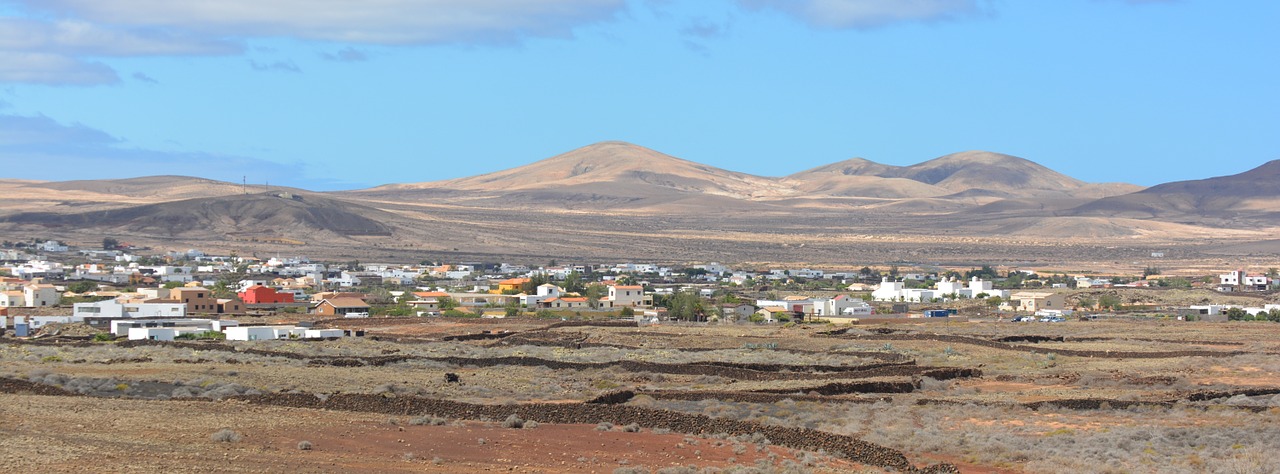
(1097, 396)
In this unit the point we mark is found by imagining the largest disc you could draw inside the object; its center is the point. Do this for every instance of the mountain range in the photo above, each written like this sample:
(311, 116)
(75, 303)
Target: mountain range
(609, 190)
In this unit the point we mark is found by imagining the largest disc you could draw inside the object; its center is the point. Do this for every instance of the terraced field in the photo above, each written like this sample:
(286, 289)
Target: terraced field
(1099, 396)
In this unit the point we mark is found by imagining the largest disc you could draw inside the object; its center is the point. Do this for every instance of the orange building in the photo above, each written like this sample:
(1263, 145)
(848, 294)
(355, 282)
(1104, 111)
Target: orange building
(258, 294)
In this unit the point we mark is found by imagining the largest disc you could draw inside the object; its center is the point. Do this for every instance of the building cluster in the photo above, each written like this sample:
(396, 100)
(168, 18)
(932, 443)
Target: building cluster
(194, 286)
(949, 289)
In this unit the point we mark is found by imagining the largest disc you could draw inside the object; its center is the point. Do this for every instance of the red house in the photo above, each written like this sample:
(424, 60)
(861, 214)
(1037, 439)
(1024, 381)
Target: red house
(258, 294)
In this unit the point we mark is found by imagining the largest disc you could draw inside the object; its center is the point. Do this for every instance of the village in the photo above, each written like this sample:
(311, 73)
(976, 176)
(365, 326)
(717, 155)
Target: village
(192, 295)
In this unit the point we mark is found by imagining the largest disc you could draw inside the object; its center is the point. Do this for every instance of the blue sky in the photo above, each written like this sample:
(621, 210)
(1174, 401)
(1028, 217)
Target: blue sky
(343, 94)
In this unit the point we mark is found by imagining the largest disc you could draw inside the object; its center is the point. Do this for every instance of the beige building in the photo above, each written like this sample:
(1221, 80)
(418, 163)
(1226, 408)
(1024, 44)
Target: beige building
(1032, 301)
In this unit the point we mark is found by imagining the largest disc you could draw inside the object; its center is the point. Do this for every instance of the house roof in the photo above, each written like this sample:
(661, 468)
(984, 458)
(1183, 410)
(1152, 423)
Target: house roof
(345, 302)
(430, 294)
(1031, 294)
(774, 309)
(567, 300)
(629, 287)
(514, 281)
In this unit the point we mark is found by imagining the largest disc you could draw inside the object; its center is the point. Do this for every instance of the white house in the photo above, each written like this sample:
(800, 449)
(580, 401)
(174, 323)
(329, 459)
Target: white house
(888, 290)
(843, 305)
(627, 295)
(262, 333)
(896, 291)
(117, 309)
(52, 246)
(1241, 279)
(12, 298)
(37, 294)
(159, 333)
(546, 291)
(974, 288)
(322, 333)
(123, 326)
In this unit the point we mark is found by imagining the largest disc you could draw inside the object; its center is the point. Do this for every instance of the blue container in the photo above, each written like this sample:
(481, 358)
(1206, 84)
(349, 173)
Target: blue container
(21, 329)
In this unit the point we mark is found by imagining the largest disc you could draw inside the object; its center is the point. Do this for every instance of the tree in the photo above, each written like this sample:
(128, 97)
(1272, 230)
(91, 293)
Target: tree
(1146, 272)
(594, 292)
(172, 284)
(447, 303)
(628, 312)
(573, 282)
(1236, 314)
(684, 305)
(531, 287)
(222, 289)
(82, 287)
(109, 243)
(994, 301)
(379, 295)
(512, 308)
(1111, 302)
(1274, 315)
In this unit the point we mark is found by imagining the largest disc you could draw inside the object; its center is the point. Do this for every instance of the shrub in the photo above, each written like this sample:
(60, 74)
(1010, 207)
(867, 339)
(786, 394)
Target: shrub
(225, 435)
(513, 421)
(304, 445)
(604, 426)
(103, 337)
(428, 420)
(631, 428)
(202, 336)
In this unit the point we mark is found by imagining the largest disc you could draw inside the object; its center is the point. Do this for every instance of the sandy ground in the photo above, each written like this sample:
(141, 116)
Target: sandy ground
(70, 434)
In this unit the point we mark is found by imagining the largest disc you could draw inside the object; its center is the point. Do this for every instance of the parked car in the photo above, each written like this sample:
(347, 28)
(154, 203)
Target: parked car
(1023, 319)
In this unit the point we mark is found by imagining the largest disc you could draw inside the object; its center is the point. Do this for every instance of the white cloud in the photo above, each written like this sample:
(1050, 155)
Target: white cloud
(77, 37)
(864, 14)
(53, 69)
(56, 41)
(348, 21)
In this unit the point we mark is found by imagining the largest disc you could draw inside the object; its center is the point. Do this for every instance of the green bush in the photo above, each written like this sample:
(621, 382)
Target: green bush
(103, 337)
(202, 336)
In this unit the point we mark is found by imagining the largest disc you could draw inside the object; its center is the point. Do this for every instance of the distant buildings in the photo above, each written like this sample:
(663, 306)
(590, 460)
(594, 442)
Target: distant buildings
(946, 289)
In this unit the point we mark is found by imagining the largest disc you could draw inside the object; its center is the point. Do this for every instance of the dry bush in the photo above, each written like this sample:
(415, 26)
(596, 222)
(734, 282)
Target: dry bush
(428, 420)
(513, 421)
(225, 435)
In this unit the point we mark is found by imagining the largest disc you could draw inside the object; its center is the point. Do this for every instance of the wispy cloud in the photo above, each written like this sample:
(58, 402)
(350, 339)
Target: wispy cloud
(703, 27)
(346, 55)
(277, 66)
(866, 14)
(62, 41)
(347, 21)
(81, 152)
(144, 78)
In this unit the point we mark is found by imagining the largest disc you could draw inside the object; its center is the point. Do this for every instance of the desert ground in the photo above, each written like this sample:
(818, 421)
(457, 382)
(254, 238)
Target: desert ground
(534, 395)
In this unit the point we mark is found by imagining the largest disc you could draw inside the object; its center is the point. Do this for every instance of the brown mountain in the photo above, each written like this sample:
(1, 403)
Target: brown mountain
(608, 174)
(860, 177)
(267, 214)
(972, 174)
(1253, 194)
